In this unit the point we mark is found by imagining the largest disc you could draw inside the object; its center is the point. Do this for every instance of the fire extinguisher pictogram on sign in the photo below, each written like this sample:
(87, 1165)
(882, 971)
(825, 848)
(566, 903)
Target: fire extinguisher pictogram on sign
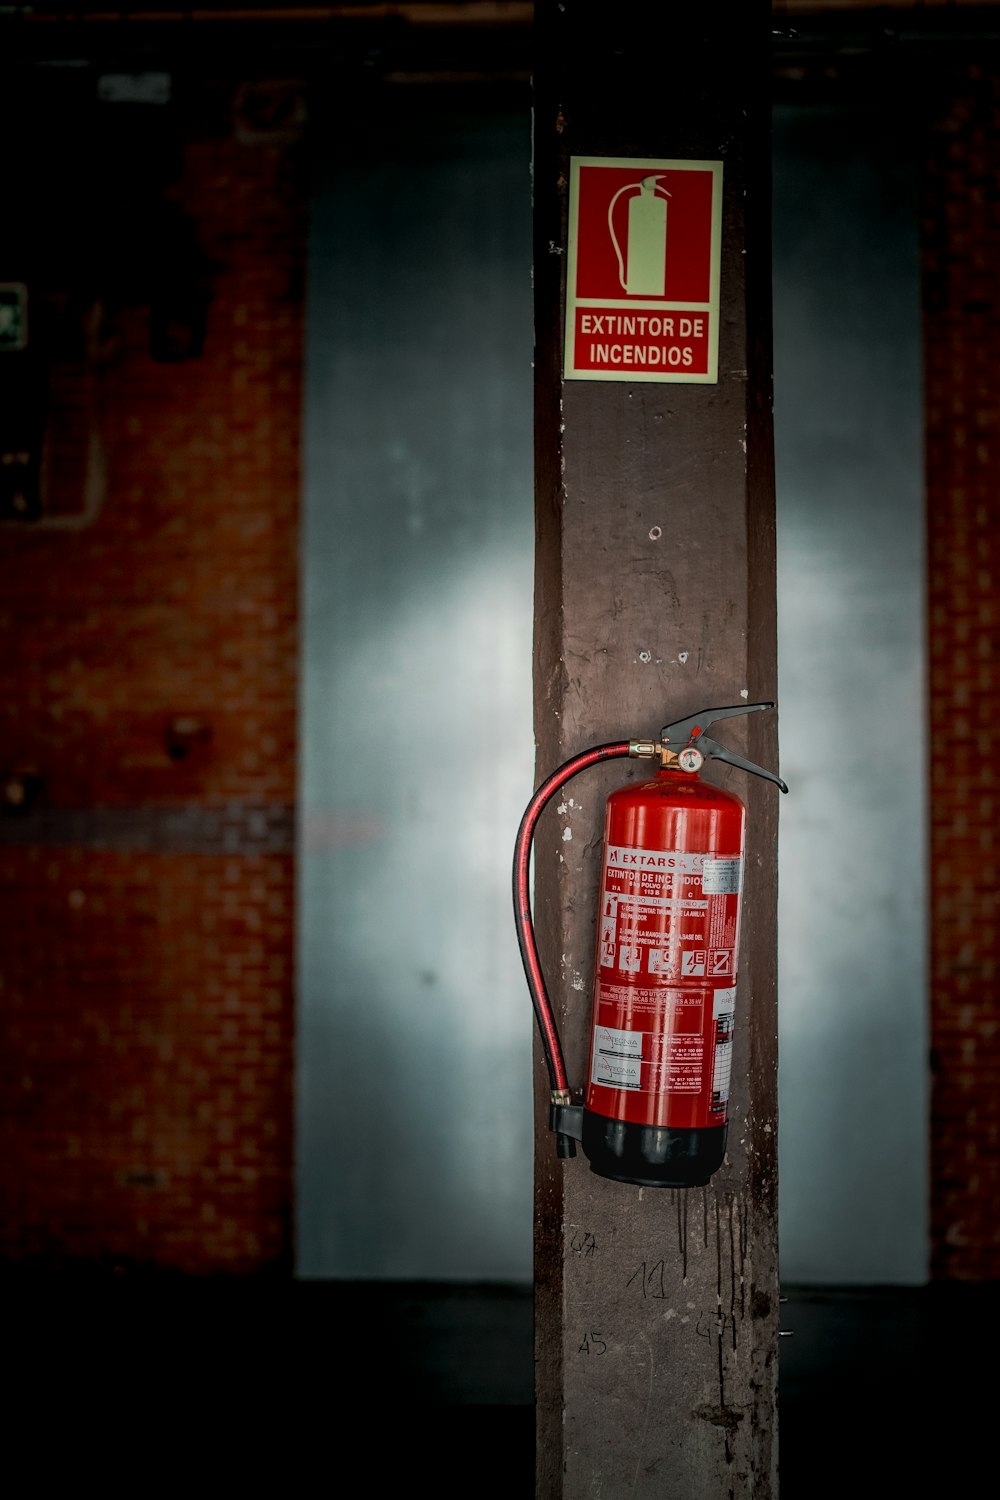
(642, 267)
(642, 291)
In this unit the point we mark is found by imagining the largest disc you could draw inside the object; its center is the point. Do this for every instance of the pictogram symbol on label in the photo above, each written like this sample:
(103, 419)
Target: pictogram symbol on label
(630, 958)
(694, 962)
(660, 961)
(721, 961)
(609, 931)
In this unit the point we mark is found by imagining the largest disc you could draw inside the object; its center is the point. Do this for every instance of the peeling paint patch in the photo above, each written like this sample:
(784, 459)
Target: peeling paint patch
(728, 1417)
(567, 835)
(744, 692)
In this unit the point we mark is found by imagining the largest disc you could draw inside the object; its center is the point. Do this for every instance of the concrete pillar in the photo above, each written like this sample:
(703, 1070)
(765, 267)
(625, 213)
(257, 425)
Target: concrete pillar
(656, 1308)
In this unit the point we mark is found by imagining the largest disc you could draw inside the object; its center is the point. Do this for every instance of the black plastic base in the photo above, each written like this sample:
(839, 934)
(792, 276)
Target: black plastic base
(652, 1155)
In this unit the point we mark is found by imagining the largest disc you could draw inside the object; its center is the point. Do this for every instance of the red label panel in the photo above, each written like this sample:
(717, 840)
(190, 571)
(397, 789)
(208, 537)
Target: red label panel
(604, 193)
(609, 339)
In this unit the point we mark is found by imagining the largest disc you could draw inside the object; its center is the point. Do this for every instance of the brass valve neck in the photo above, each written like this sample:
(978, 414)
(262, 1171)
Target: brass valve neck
(655, 750)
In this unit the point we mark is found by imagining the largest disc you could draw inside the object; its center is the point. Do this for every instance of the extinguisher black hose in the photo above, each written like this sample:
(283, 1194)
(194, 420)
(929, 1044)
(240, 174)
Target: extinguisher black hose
(541, 1004)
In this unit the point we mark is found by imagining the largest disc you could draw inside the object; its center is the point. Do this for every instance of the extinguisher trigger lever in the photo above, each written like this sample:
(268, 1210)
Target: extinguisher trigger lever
(709, 747)
(692, 730)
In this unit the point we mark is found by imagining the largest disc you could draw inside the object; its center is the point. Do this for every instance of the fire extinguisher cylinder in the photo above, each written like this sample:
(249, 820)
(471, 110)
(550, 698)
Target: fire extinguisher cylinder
(655, 1105)
(657, 1091)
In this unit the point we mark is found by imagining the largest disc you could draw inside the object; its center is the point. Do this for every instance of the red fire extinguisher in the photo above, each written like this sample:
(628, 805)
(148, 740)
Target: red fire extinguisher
(655, 1107)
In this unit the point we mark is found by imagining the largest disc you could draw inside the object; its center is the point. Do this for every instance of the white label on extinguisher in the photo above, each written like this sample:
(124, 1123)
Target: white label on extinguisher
(613, 1042)
(617, 1072)
(723, 1002)
(722, 877)
(723, 1010)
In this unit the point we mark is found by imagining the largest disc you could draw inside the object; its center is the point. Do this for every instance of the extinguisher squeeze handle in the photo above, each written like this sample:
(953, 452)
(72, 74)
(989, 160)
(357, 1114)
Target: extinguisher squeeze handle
(692, 730)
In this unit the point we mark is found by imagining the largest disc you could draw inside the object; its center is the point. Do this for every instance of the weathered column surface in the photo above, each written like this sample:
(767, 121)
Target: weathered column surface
(656, 1309)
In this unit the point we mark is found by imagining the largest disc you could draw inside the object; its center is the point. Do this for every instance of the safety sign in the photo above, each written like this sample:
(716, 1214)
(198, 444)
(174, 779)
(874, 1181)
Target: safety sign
(642, 275)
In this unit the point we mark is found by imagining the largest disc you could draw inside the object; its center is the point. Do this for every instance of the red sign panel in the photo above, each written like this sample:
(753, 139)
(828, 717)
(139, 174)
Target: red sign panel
(642, 300)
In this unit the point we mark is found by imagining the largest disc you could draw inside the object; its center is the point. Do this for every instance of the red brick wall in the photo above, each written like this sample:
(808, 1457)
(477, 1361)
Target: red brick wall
(146, 1030)
(962, 373)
